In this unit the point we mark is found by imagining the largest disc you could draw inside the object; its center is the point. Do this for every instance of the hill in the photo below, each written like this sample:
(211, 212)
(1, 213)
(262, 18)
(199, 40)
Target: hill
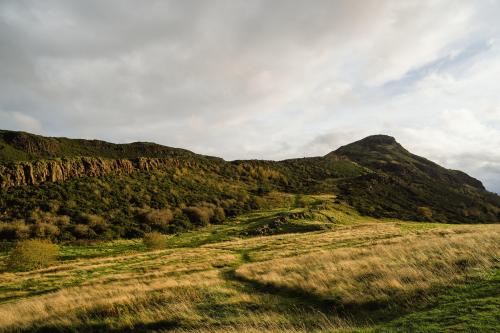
(67, 189)
(402, 183)
(22, 146)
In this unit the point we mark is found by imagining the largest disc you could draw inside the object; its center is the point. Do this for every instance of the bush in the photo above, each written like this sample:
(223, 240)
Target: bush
(38, 216)
(198, 215)
(82, 231)
(32, 254)
(218, 215)
(425, 212)
(44, 230)
(154, 240)
(14, 230)
(95, 222)
(180, 224)
(158, 218)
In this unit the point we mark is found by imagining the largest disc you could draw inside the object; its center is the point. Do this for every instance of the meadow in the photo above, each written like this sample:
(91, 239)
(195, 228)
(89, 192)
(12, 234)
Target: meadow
(314, 265)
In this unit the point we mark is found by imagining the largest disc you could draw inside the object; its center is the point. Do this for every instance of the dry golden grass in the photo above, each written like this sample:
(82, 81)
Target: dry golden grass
(130, 267)
(287, 245)
(128, 284)
(398, 268)
(189, 289)
(179, 301)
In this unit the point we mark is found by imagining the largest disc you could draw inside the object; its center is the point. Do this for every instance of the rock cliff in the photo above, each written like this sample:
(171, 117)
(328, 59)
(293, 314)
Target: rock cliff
(36, 172)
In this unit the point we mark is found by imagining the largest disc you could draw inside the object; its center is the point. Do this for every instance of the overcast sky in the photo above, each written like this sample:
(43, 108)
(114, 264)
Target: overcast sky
(259, 79)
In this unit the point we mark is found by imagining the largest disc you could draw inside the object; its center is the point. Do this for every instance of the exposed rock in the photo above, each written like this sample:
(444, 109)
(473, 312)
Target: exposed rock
(36, 172)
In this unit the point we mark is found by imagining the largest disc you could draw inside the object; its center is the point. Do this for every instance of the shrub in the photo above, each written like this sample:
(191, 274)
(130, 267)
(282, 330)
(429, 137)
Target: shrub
(218, 215)
(82, 231)
(14, 230)
(198, 215)
(154, 240)
(425, 212)
(95, 222)
(44, 230)
(32, 254)
(180, 224)
(38, 216)
(158, 218)
(255, 203)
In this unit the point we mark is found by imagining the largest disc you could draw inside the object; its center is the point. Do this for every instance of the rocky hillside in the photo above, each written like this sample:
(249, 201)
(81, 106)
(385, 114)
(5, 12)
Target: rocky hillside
(70, 188)
(60, 170)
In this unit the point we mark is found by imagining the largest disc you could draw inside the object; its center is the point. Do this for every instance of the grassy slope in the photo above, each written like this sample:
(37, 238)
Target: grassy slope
(22, 146)
(119, 286)
(468, 307)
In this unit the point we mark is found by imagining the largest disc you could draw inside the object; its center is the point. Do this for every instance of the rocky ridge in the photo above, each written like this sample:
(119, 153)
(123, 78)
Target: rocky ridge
(36, 172)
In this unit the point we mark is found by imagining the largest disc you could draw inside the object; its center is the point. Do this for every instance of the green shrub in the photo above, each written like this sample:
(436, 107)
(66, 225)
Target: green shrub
(154, 240)
(32, 254)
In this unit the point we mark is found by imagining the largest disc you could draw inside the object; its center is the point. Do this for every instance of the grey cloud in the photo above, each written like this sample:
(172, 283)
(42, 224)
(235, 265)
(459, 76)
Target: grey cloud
(245, 79)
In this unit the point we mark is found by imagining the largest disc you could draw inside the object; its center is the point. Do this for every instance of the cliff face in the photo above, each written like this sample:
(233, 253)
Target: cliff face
(33, 173)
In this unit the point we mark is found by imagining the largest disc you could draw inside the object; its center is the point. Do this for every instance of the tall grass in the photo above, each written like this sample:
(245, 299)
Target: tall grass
(381, 273)
(194, 289)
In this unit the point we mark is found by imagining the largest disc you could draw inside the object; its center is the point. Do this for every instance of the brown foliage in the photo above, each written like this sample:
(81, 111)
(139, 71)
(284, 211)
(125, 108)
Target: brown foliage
(199, 215)
(158, 218)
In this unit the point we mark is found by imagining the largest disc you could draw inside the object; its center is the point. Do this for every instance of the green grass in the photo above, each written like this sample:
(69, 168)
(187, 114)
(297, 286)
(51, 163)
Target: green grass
(470, 307)
(100, 249)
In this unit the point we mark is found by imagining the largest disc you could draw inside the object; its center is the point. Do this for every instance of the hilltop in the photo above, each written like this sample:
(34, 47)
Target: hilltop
(23, 146)
(401, 183)
(71, 188)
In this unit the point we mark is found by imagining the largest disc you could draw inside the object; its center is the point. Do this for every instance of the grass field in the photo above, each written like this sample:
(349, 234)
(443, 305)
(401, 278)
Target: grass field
(315, 266)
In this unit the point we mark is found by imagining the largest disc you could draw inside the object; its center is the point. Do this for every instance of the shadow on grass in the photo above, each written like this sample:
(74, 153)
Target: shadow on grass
(138, 328)
(378, 313)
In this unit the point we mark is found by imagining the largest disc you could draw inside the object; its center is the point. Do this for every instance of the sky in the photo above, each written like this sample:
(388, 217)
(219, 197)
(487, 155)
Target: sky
(268, 79)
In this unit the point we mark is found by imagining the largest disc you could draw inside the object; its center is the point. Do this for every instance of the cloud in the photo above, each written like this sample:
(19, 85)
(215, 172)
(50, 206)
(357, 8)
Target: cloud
(255, 79)
(19, 121)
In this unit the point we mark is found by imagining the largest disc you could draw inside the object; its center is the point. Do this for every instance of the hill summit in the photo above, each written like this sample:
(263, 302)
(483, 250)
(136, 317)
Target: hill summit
(92, 188)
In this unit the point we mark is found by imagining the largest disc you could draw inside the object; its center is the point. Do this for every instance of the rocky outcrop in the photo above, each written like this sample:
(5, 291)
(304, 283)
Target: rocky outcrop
(36, 172)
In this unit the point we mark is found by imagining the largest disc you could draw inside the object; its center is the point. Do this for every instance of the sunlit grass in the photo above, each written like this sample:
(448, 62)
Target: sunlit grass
(216, 279)
(398, 268)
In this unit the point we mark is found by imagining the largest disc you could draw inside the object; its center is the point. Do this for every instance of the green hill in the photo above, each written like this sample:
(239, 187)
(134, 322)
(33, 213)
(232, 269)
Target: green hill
(66, 189)
(22, 146)
(402, 184)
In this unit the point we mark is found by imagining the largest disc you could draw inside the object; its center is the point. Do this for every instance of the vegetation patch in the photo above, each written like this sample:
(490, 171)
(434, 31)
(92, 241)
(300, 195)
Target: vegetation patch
(155, 240)
(31, 254)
